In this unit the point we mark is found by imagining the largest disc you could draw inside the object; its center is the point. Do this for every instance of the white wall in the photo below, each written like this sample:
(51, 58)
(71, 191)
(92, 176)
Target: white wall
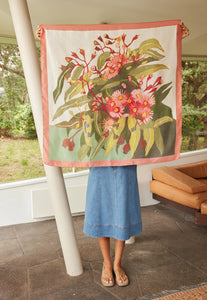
(28, 201)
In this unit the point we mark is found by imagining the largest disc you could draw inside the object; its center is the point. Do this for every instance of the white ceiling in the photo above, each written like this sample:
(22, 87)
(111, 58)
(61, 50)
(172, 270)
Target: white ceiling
(191, 12)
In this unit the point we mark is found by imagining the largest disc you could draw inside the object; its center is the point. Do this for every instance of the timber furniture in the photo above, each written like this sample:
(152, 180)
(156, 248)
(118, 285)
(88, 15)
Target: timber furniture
(183, 187)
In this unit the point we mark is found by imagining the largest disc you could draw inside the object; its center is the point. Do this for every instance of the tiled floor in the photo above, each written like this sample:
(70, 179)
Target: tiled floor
(168, 255)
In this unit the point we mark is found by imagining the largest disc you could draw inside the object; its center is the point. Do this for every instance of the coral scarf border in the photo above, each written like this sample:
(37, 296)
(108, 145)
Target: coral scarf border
(44, 78)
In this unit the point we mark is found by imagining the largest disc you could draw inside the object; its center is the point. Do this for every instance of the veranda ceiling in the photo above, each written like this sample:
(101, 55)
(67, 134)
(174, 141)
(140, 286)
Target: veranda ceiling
(192, 12)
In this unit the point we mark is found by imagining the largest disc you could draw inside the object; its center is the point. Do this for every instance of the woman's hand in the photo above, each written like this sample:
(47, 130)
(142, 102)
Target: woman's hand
(185, 31)
(38, 32)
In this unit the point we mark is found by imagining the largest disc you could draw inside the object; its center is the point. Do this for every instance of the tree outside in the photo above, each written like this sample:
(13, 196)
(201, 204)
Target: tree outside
(194, 94)
(16, 119)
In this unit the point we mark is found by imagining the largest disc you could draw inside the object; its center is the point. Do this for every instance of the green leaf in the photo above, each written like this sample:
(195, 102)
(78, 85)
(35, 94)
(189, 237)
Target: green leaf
(72, 124)
(154, 54)
(82, 139)
(69, 90)
(146, 70)
(102, 59)
(159, 140)
(149, 136)
(131, 122)
(68, 131)
(161, 121)
(111, 84)
(87, 129)
(124, 72)
(115, 134)
(97, 123)
(70, 104)
(83, 151)
(103, 84)
(60, 81)
(98, 81)
(76, 91)
(161, 110)
(162, 92)
(76, 73)
(135, 134)
(101, 143)
(148, 45)
(149, 124)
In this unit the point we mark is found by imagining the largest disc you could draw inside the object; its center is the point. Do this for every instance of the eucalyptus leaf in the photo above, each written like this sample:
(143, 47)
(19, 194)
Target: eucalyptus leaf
(162, 121)
(70, 104)
(76, 91)
(162, 92)
(149, 44)
(135, 134)
(154, 54)
(98, 81)
(102, 60)
(146, 70)
(111, 84)
(87, 129)
(159, 140)
(82, 139)
(131, 122)
(83, 151)
(149, 137)
(99, 146)
(60, 81)
(72, 124)
(68, 131)
(161, 110)
(69, 90)
(97, 123)
(115, 134)
(149, 124)
(76, 73)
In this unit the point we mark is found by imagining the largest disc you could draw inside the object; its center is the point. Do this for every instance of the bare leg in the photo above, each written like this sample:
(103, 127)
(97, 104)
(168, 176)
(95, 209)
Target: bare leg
(104, 244)
(119, 248)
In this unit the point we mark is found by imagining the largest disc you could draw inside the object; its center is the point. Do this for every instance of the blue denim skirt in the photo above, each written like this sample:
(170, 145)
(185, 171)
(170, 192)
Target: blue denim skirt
(112, 203)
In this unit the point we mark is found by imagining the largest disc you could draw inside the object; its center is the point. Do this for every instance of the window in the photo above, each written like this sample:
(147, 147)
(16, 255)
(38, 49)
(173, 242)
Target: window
(194, 105)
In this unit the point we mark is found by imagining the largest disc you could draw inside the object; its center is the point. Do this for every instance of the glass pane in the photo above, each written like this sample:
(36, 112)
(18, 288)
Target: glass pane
(194, 105)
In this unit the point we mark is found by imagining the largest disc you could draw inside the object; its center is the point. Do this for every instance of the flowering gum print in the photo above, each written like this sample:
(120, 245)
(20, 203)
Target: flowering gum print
(110, 99)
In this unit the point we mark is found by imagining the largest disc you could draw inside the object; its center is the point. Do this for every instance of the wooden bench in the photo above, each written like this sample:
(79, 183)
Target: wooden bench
(183, 187)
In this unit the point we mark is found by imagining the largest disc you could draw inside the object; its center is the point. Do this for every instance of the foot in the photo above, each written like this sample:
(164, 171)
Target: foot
(121, 277)
(107, 278)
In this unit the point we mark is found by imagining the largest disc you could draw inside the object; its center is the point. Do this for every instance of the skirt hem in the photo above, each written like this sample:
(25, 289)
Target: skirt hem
(119, 233)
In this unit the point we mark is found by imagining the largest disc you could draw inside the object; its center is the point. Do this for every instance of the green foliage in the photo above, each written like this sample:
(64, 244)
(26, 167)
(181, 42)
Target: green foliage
(194, 89)
(24, 121)
(17, 121)
(15, 111)
(95, 86)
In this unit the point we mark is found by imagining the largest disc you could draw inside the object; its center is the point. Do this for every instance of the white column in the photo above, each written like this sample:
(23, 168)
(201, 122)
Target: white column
(31, 66)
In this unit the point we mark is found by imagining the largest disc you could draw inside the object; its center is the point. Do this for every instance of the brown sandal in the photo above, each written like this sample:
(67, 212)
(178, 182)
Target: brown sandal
(120, 282)
(109, 282)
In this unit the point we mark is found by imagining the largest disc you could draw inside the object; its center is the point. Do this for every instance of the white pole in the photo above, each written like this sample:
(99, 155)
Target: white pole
(56, 185)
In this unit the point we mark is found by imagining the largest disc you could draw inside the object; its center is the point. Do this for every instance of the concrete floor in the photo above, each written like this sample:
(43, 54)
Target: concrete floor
(170, 254)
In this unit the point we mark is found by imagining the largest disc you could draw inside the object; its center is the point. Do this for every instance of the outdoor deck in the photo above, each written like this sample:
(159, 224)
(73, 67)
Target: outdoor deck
(170, 254)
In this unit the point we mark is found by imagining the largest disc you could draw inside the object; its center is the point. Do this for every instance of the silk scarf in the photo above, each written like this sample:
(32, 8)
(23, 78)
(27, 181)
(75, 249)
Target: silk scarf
(111, 93)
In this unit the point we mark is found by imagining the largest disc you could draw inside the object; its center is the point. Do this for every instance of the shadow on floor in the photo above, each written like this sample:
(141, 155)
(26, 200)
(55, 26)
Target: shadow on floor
(170, 254)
